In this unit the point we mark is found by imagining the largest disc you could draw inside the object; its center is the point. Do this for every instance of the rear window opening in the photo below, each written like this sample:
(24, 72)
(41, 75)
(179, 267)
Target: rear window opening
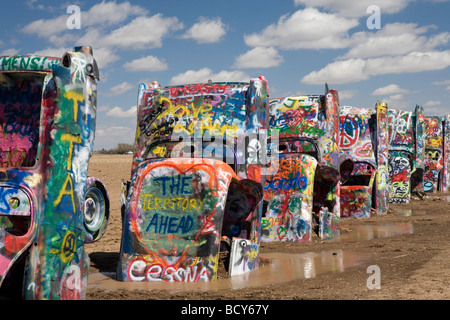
(15, 225)
(358, 180)
(294, 146)
(20, 109)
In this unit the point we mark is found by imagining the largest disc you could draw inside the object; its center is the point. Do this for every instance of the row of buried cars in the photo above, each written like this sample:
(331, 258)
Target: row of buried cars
(217, 169)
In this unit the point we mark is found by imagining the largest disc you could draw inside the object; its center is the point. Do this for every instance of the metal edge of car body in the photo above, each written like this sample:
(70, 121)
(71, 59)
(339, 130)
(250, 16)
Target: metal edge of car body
(56, 264)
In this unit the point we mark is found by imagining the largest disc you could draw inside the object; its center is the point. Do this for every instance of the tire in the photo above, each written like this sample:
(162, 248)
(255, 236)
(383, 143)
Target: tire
(96, 210)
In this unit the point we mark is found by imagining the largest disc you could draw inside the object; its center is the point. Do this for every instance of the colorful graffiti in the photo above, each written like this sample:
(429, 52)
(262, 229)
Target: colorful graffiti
(289, 194)
(28, 63)
(210, 135)
(307, 127)
(399, 179)
(355, 134)
(209, 113)
(446, 169)
(174, 220)
(382, 156)
(434, 147)
(244, 257)
(357, 142)
(47, 119)
(327, 187)
(406, 153)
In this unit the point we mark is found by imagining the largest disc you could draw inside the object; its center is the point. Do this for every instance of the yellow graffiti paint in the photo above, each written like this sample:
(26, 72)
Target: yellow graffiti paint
(68, 247)
(72, 139)
(77, 98)
(65, 192)
(160, 151)
(295, 103)
(150, 202)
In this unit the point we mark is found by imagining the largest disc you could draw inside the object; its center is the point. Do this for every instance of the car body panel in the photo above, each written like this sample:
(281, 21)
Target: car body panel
(202, 130)
(48, 108)
(406, 153)
(357, 142)
(434, 148)
(306, 127)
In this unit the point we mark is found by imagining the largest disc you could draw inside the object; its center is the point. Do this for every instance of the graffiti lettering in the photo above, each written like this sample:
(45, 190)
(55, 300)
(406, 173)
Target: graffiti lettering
(302, 129)
(174, 225)
(199, 89)
(27, 63)
(150, 202)
(177, 185)
(139, 271)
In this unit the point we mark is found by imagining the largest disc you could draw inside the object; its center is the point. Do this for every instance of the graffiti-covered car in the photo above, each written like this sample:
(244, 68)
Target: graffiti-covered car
(362, 141)
(47, 207)
(196, 182)
(445, 181)
(434, 155)
(356, 143)
(303, 193)
(406, 153)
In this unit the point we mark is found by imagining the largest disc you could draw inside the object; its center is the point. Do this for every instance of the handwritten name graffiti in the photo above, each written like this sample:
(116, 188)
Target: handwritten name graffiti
(142, 270)
(28, 63)
(289, 197)
(293, 174)
(198, 89)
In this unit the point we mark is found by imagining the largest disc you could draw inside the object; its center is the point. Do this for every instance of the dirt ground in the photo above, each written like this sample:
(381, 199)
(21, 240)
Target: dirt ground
(412, 266)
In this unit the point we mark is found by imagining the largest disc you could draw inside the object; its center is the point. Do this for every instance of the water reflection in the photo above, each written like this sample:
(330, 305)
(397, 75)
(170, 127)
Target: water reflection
(411, 212)
(442, 198)
(284, 267)
(378, 231)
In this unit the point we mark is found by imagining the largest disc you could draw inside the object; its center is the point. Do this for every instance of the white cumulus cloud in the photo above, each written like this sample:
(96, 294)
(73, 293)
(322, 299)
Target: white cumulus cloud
(121, 88)
(305, 29)
(259, 57)
(352, 70)
(389, 89)
(205, 74)
(118, 112)
(206, 30)
(149, 63)
(355, 8)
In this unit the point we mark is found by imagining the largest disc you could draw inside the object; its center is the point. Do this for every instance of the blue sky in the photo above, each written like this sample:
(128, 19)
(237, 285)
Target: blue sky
(298, 45)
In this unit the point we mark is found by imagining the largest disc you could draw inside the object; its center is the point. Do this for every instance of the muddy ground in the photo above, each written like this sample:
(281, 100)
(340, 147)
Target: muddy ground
(413, 264)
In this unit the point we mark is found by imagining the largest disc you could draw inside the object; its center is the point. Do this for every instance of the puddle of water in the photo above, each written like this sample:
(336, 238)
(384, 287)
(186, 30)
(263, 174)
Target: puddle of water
(442, 198)
(411, 212)
(370, 232)
(284, 267)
